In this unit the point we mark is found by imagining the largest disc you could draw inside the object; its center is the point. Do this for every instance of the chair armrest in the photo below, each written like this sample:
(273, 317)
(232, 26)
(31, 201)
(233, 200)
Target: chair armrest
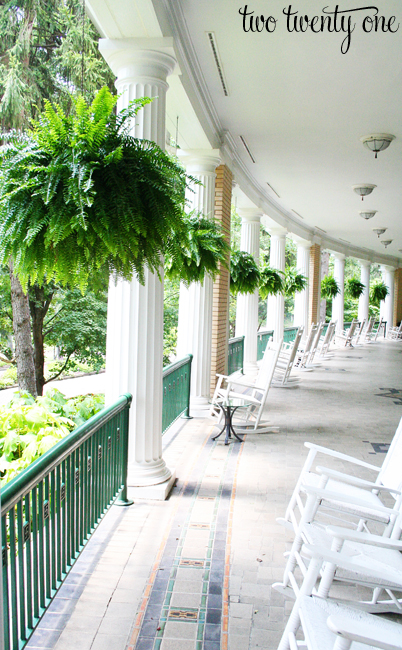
(370, 631)
(384, 576)
(338, 454)
(327, 495)
(364, 538)
(354, 480)
(244, 382)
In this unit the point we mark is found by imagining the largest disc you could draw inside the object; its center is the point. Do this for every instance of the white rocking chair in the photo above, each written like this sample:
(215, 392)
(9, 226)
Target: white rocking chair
(286, 361)
(255, 392)
(327, 340)
(395, 333)
(379, 329)
(303, 353)
(347, 335)
(331, 625)
(388, 479)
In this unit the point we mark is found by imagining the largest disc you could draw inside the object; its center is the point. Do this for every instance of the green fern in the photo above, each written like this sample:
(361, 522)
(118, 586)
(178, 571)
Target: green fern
(271, 282)
(244, 273)
(355, 288)
(78, 192)
(329, 288)
(294, 282)
(379, 291)
(196, 251)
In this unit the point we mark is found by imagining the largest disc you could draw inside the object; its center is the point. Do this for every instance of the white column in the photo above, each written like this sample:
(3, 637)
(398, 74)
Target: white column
(364, 298)
(276, 304)
(247, 303)
(134, 349)
(338, 301)
(194, 334)
(387, 305)
(301, 299)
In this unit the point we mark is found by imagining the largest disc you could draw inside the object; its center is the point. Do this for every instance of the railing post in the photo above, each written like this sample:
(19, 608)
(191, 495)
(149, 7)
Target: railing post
(123, 500)
(186, 415)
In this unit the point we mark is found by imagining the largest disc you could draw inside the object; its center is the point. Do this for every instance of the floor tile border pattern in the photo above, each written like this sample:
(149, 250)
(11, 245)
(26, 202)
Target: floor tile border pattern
(155, 609)
(155, 568)
(225, 616)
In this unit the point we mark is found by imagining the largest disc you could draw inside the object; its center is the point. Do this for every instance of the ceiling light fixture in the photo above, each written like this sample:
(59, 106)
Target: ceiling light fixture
(367, 214)
(363, 190)
(377, 142)
(379, 231)
(387, 242)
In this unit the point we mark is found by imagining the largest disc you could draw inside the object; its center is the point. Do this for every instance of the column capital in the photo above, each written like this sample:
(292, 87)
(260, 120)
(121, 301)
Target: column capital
(301, 243)
(250, 214)
(131, 58)
(278, 232)
(388, 269)
(339, 256)
(197, 161)
(365, 263)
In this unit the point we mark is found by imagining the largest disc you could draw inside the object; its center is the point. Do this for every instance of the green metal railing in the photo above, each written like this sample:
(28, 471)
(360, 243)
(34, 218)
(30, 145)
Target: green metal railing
(176, 391)
(49, 511)
(235, 354)
(262, 341)
(289, 334)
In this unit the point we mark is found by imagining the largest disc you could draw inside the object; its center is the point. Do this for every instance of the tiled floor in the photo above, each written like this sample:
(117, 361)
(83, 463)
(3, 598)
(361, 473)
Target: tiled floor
(195, 572)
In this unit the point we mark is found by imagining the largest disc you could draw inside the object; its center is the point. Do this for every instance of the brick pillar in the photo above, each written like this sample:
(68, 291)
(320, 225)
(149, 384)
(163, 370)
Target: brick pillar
(220, 308)
(397, 296)
(314, 284)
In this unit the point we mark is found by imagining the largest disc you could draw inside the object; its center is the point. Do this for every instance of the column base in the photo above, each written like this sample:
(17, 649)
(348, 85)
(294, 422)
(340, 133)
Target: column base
(147, 474)
(250, 369)
(159, 492)
(199, 403)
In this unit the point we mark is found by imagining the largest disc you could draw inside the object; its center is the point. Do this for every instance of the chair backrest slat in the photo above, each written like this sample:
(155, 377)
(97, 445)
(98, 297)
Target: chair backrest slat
(390, 474)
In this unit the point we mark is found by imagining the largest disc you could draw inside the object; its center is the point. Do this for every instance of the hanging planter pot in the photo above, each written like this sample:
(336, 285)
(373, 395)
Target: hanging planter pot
(354, 288)
(294, 282)
(379, 291)
(271, 282)
(244, 273)
(196, 251)
(329, 288)
(78, 193)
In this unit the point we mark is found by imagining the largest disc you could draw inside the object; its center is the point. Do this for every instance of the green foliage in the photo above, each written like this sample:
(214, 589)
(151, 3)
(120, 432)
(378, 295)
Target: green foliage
(244, 273)
(378, 292)
(169, 345)
(79, 193)
(329, 287)
(41, 51)
(293, 281)
(79, 327)
(197, 250)
(28, 427)
(271, 282)
(8, 377)
(354, 288)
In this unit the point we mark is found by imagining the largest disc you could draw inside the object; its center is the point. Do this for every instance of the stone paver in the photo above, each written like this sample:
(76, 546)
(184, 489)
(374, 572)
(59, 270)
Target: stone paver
(195, 572)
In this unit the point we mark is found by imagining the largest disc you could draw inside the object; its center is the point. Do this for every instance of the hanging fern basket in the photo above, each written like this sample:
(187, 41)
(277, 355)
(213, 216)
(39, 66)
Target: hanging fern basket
(379, 291)
(78, 193)
(271, 282)
(244, 273)
(354, 288)
(197, 251)
(329, 288)
(294, 282)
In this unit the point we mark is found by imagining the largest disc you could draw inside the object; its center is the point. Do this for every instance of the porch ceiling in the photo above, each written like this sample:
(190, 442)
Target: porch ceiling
(299, 103)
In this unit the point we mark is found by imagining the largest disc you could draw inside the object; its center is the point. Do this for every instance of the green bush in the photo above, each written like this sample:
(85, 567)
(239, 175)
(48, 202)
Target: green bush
(29, 427)
(8, 377)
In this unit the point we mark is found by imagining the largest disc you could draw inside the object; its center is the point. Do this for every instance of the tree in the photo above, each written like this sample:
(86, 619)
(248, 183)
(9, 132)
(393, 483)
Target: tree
(78, 193)
(41, 52)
